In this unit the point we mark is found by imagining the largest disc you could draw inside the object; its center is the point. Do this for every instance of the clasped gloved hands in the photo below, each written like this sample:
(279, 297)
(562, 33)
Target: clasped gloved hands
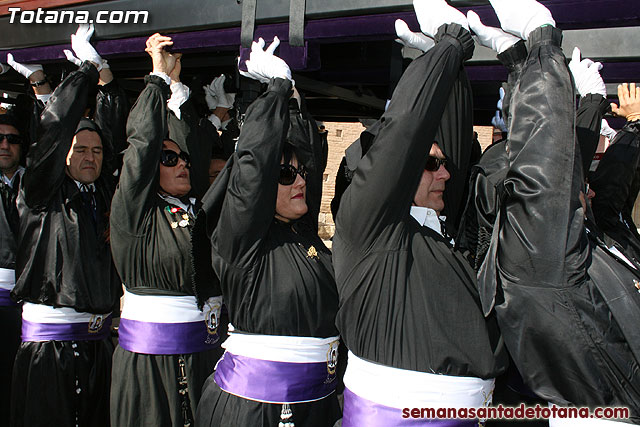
(263, 65)
(432, 14)
(497, 120)
(586, 74)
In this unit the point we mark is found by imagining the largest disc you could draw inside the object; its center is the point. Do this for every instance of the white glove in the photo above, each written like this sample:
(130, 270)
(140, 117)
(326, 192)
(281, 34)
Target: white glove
(497, 120)
(607, 131)
(81, 46)
(24, 69)
(71, 58)
(493, 38)
(225, 100)
(522, 16)
(408, 38)
(432, 14)
(210, 97)
(586, 74)
(263, 65)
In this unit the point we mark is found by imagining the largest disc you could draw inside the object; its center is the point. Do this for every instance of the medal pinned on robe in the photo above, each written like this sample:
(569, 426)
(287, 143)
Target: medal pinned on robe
(182, 221)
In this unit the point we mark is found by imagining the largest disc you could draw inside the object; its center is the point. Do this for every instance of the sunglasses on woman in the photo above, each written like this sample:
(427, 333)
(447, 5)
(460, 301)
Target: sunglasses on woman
(170, 158)
(12, 138)
(288, 174)
(433, 163)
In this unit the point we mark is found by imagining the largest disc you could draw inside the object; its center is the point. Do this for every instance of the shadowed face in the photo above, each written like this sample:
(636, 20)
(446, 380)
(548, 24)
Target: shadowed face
(291, 203)
(174, 180)
(84, 161)
(215, 166)
(431, 188)
(9, 153)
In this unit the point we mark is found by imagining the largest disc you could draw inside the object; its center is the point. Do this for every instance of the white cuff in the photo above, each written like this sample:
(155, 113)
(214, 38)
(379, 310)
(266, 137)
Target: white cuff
(179, 95)
(44, 98)
(215, 120)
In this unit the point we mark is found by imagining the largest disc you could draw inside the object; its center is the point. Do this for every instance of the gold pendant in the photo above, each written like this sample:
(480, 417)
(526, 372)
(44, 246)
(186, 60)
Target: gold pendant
(174, 224)
(312, 253)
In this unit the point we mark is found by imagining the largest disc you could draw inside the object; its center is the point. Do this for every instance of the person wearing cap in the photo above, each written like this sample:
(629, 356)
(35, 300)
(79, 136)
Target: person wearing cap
(66, 278)
(280, 363)
(10, 313)
(168, 334)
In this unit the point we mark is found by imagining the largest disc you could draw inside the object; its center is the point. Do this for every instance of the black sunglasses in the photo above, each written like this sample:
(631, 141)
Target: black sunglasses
(433, 163)
(288, 174)
(12, 138)
(170, 158)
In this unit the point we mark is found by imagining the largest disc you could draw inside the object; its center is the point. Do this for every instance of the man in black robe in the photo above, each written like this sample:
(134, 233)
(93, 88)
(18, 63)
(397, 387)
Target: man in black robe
(10, 174)
(66, 277)
(409, 307)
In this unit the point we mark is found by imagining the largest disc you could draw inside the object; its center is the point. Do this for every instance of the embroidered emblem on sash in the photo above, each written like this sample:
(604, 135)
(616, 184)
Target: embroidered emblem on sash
(332, 361)
(212, 319)
(95, 323)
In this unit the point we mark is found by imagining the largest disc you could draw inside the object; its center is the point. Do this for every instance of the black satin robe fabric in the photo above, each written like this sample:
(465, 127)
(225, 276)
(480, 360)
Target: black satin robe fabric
(616, 183)
(270, 283)
(566, 306)
(407, 299)
(63, 260)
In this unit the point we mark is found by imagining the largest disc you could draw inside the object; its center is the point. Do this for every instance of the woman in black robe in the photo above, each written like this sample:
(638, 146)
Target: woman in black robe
(167, 345)
(275, 272)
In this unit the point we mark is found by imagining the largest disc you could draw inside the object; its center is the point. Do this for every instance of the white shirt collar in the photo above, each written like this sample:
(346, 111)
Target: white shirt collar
(427, 217)
(91, 186)
(10, 182)
(177, 202)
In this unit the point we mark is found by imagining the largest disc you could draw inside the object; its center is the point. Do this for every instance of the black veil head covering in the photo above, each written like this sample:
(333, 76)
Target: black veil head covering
(349, 164)
(107, 157)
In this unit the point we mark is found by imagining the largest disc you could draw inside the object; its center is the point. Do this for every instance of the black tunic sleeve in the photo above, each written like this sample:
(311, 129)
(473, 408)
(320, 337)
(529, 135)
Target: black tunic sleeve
(146, 129)
(588, 122)
(46, 162)
(512, 58)
(196, 138)
(387, 176)
(249, 204)
(543, 219)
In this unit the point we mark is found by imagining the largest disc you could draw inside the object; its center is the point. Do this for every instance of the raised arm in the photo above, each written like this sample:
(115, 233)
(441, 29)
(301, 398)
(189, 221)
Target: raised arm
(250, 201)
(47, 155)
(146, 129)
(385, 182)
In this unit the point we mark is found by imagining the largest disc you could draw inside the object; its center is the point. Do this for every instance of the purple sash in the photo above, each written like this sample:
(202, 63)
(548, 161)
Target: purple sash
(362, 412)
(5, 299)
(84, 331)
(274, 382)
(165, 338)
